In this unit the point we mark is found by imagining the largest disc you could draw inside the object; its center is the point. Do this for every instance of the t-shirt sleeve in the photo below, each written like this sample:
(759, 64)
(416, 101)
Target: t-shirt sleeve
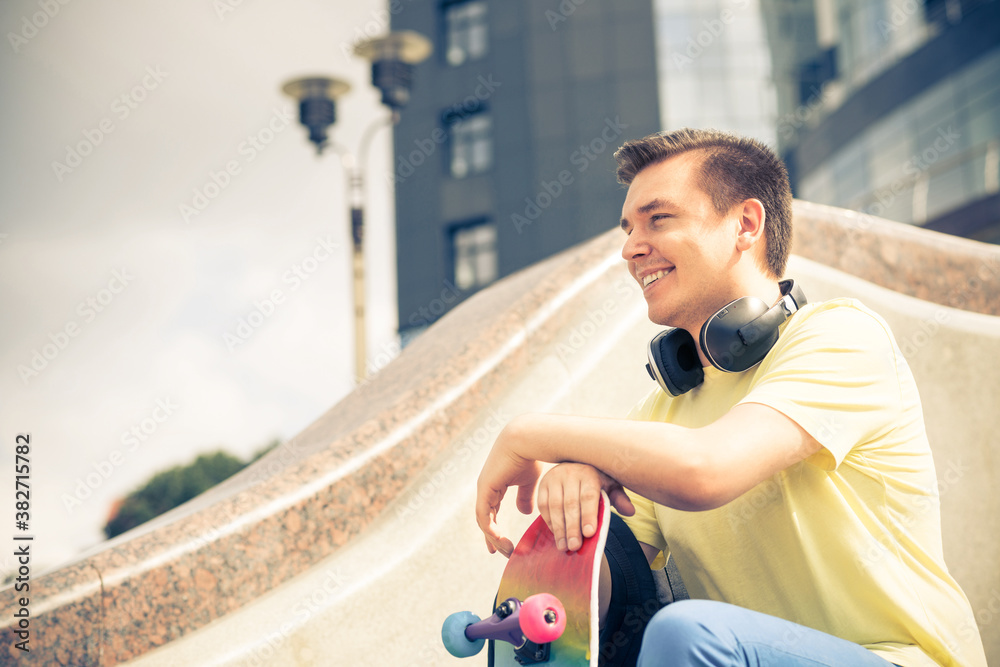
(835, 374)
(643, 523)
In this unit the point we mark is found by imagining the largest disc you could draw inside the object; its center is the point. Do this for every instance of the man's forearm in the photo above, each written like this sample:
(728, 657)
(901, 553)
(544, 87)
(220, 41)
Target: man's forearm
(653, 459)
(684, 468)
(690, 469)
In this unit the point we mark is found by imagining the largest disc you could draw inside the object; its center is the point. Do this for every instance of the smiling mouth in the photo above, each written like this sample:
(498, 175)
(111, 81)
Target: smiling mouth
(653, 277)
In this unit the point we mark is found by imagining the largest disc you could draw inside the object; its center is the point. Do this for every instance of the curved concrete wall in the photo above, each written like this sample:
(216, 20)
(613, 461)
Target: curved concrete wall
(350, 543)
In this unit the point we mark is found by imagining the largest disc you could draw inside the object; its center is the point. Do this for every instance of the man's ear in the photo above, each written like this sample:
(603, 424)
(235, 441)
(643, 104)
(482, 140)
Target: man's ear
(751, 218)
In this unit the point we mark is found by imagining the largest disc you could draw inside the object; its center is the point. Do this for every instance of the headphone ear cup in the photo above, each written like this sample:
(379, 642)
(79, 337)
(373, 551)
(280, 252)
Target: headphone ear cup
(674, 362)
(721, 341)
(741, 334)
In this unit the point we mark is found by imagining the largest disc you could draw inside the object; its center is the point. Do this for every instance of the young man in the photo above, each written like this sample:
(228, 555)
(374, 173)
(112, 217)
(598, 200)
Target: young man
(798, 497)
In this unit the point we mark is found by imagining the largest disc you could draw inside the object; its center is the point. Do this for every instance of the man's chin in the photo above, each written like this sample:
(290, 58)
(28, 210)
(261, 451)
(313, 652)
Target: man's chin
(660, 317)
(672, 317)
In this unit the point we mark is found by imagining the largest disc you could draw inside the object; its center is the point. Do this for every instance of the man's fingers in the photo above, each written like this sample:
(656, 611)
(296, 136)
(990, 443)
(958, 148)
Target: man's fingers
(543, 504)
(503, 545)
(571, 514)
(487, 506)
(525, 498)
(620, 501)
(553, 513)
(569, 499)
(590, 502)
(616, 494)
(496, 542)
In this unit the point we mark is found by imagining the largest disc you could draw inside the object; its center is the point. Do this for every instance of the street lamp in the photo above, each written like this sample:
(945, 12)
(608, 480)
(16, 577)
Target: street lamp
(393, 60)
(317, 96)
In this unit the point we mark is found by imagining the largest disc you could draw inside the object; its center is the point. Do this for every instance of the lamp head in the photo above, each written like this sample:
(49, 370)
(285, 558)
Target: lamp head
(317, 96)
(393, 58)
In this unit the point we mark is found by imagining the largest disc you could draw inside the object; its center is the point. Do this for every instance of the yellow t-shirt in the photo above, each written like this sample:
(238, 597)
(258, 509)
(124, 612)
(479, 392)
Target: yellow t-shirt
(848, 541)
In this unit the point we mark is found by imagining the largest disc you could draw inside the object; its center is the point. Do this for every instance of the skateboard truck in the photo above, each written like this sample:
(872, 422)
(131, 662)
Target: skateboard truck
(530, 628)
(527, 652)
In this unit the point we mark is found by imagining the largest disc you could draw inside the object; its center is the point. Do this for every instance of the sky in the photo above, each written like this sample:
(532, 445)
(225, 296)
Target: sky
(174, 256)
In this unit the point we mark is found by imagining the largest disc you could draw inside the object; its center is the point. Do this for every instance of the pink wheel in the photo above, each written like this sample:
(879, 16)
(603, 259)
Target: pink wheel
(542, 618)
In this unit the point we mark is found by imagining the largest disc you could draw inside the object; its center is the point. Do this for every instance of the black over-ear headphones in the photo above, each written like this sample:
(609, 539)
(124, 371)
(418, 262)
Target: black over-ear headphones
(736, 338)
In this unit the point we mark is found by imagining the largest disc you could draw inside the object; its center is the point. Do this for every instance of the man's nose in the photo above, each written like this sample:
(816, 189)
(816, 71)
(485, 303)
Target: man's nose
(635, 246)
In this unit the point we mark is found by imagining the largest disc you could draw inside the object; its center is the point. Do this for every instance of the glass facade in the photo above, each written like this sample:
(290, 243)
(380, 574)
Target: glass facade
(470, 138)
(715, 67)
(474, 249)
(873, 36)
(928, 157)
(466, 31)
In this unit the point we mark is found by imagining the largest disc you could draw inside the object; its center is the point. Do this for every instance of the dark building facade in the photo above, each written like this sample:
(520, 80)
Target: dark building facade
(503, 156)
(897, 112)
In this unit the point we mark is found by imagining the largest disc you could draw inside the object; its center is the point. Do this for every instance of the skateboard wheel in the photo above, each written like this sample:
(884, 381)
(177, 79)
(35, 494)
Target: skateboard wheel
(543, 618)
(453, 635)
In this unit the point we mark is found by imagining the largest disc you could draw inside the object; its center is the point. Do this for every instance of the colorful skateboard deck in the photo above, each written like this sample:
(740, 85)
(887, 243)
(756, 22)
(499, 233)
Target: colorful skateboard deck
(537, 566)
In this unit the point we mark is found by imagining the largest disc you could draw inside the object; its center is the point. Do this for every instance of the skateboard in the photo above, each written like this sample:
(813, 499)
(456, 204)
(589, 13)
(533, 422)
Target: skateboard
(546, 609)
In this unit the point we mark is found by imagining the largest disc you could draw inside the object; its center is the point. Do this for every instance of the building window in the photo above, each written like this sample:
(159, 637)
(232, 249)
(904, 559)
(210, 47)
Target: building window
(466, 33)
(815, 72)
(470, 137)
(474, 249)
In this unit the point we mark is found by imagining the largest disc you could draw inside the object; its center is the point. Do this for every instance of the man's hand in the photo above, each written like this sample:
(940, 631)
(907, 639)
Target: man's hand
(503, 469)
(568, 498)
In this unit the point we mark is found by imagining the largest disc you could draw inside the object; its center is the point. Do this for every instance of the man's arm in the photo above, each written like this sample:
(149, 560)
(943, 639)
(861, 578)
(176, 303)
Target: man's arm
(687, 469)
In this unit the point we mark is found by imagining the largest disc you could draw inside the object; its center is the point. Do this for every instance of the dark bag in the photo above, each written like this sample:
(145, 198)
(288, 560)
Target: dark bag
(636, 594)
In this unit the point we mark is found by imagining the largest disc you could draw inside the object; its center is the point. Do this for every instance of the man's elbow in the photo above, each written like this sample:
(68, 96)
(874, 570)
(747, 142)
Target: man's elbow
(701, 498)
(702, 487)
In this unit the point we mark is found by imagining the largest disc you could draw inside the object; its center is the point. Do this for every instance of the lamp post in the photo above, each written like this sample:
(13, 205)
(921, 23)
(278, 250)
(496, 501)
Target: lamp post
(393, 60)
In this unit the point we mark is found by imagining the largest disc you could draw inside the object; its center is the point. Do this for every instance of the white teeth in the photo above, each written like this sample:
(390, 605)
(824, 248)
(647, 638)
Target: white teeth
(654, 276)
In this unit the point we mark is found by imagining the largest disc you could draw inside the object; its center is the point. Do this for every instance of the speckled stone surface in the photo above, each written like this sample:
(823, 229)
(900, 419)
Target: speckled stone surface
(929, 265)
(315, 493)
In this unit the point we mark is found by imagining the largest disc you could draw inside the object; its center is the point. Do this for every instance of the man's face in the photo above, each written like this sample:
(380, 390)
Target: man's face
(679, 249)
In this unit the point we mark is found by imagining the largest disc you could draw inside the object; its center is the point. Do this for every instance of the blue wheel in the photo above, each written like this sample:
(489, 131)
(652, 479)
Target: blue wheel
(453, 635)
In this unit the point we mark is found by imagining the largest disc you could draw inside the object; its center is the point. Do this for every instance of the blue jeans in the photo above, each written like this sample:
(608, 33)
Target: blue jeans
(705, 633)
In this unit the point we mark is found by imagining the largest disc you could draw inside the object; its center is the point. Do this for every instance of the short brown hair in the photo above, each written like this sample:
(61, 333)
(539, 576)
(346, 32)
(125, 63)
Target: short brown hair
(733, 170)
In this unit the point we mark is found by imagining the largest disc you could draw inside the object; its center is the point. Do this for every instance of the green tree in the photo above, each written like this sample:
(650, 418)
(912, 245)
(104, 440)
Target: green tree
(174, 486)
